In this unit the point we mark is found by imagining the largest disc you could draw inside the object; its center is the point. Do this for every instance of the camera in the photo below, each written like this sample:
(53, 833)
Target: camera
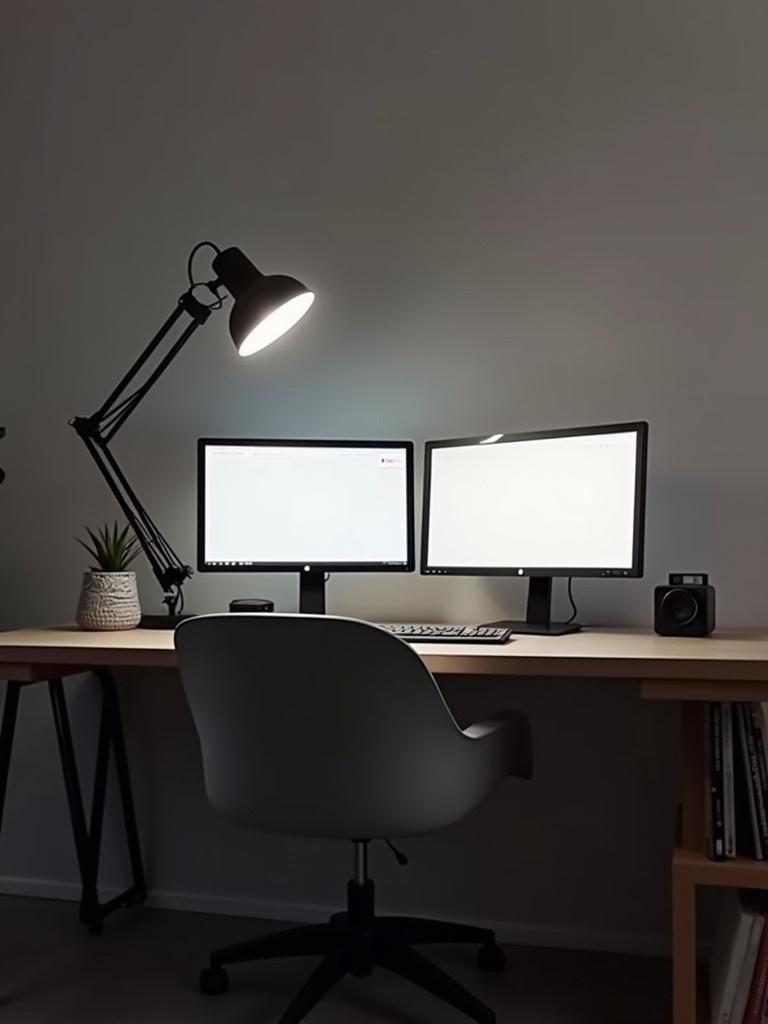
(685, 606)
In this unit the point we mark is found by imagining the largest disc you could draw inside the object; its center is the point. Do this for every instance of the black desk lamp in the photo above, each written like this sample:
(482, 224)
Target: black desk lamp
(265, 307)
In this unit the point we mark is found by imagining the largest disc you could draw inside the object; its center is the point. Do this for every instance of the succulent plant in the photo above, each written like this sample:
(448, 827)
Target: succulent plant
(113, 549)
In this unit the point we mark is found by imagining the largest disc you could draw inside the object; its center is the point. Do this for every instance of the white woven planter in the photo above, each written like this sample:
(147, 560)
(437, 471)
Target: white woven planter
(108, 600)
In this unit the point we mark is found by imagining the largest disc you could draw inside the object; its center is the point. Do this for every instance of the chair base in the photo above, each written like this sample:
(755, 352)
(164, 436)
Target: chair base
(354, 943)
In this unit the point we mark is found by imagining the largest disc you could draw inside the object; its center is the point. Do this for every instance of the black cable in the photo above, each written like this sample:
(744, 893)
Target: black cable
(575, 611)
(213, 289)
(195, 250)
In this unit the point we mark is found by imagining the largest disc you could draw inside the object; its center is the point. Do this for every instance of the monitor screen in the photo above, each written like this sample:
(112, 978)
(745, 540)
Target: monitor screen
(305, 505)
(550, 503)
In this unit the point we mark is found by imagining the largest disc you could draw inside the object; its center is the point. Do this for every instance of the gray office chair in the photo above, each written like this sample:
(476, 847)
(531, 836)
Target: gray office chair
(322, 726)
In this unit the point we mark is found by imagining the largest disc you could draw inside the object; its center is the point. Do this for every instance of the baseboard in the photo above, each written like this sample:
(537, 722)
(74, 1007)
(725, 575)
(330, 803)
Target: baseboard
(517, 933)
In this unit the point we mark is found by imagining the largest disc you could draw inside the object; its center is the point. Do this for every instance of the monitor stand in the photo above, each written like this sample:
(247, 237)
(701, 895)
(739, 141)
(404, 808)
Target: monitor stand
(538, 613)
(311, 592)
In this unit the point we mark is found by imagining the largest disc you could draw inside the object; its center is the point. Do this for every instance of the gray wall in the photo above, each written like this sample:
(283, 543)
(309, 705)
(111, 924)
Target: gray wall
(515, 215)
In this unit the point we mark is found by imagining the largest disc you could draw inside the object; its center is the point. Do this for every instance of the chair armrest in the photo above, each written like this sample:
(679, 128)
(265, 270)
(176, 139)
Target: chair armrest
(509, 734)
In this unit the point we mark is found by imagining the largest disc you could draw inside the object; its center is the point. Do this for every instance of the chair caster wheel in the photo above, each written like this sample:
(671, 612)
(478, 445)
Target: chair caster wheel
(214, 981)
(491, 957)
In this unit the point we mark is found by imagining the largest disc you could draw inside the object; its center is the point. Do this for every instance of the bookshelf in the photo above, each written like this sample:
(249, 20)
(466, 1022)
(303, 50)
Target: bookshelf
(738, 873)
(691, 868)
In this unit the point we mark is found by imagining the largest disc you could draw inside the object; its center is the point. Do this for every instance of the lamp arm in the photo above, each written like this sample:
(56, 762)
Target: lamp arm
(97, 430)
(115, 410)
(168, 568)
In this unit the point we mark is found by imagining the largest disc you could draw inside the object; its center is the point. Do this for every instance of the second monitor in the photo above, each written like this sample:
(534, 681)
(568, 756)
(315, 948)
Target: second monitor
(542, 504)
(310, 507)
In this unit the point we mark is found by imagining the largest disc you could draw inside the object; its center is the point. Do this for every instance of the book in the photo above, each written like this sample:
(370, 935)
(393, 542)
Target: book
(756, 714)
(757, 772)
(729, 802)
(755, 1008)
(714, 816)
(748, 762)
(747, 972)
(760, 769)
(733, 935)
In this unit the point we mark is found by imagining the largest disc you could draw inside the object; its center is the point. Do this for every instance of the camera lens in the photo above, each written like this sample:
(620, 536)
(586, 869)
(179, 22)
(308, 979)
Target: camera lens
(680, 606)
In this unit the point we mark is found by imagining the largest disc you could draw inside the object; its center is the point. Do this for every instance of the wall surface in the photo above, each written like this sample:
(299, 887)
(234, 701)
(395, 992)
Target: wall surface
(516, 216)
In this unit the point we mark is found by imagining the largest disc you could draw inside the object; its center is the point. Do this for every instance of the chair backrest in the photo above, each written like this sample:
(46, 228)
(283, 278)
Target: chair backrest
(325, 726)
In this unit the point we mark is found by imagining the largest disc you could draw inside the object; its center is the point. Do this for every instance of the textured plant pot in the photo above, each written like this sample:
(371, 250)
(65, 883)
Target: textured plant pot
(108, 600)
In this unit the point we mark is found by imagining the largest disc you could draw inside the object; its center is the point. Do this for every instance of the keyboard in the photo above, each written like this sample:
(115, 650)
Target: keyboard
(447, 634)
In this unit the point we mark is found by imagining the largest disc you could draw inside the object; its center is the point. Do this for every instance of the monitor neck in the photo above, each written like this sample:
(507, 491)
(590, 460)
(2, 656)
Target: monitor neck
(312, 592)
(539, 609)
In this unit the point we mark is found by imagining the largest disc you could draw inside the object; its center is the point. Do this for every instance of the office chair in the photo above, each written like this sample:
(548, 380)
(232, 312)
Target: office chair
(315, 725)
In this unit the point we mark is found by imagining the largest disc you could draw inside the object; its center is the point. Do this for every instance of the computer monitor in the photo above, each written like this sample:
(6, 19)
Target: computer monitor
(310, 507)
(541, 504)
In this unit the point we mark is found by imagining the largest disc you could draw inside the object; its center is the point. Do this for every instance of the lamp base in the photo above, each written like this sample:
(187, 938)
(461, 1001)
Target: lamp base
(163, 621)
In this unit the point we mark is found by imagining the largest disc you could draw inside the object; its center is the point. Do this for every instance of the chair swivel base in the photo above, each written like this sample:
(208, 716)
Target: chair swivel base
(354, 943)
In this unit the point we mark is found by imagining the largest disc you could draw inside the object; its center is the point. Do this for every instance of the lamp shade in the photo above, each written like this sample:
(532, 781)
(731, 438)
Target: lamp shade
(266, 306)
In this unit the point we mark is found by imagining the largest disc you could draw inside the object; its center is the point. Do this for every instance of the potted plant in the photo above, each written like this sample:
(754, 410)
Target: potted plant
(109, 598)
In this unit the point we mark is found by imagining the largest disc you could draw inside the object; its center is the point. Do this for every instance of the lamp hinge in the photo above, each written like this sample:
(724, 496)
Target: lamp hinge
(197, 310)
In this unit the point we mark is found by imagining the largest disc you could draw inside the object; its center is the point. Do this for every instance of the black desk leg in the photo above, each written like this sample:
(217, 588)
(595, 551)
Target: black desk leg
(7, 729)
(88, 839)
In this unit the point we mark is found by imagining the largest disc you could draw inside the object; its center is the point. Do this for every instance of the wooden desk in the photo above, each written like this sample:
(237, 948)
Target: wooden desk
(729, 666)
(731, 656)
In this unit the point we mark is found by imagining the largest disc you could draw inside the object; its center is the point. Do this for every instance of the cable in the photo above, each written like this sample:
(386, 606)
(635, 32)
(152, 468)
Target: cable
(195, 250)
(210, 285)
(575, 611)
(213, 289)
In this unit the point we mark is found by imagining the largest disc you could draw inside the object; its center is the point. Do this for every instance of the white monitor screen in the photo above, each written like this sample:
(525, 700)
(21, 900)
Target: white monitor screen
(314, 504)
(517, 503)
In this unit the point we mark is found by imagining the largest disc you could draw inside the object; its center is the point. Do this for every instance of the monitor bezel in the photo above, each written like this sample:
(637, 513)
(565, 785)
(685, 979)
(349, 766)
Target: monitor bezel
(267, 567)
(638, 427)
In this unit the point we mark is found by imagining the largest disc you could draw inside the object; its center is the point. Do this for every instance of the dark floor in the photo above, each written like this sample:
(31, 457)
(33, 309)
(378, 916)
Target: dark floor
(143, 970)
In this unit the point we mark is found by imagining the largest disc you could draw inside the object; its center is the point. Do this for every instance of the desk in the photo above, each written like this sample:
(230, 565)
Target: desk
(729, 666)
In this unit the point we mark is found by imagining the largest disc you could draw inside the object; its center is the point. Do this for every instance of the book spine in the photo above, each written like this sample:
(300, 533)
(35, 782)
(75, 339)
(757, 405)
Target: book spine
(761, 746)
(747, 973)
(757, 776)
(715, 818)
(729, 805)
(755, 1011)
(744, 732)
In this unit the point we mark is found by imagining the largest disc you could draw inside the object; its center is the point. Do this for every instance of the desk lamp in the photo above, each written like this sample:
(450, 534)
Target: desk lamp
(265, 307)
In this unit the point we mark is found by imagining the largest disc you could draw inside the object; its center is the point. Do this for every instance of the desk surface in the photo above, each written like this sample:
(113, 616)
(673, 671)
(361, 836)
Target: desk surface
(629, 654)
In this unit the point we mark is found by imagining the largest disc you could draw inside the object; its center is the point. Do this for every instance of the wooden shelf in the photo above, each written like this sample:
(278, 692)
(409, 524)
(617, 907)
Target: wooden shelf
(738, 873)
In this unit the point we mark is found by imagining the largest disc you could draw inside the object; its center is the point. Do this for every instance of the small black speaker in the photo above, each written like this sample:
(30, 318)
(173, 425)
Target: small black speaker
(685, 607)
(252, 604)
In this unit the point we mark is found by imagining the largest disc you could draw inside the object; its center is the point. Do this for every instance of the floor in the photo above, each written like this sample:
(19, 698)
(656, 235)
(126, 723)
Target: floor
(143, 970)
